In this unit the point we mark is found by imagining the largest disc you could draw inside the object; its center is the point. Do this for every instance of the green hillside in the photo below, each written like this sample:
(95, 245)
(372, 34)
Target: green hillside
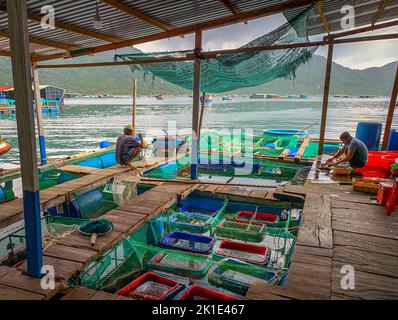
(117, 80)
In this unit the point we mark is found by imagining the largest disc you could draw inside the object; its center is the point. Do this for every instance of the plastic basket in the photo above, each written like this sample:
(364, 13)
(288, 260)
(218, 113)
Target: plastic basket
(190, 265)
(201, 293)
(202, 205)
(191, 222)
(259, 216)
(238, 276)
(241, 229)
(242, 251)
(188, 242)
(149, 286)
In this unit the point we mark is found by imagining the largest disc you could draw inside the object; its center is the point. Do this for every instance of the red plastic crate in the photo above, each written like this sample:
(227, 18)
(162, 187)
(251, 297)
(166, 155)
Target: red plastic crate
(261, 252)
(131, 289)
(260, 216)
(384, 192)
(201, 293)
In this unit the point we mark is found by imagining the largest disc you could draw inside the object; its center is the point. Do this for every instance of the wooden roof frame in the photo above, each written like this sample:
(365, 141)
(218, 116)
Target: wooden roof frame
(215, 23)
(169, 31)
(68, 27)
(137, 14)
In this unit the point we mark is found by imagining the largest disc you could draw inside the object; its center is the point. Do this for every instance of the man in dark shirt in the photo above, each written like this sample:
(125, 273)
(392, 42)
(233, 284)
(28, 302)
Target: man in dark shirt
(356, 152)
(127, 148)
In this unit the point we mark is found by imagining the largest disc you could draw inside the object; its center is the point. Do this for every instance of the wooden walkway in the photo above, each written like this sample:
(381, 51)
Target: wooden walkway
(340, 227)
(91, 178)
(69, 255)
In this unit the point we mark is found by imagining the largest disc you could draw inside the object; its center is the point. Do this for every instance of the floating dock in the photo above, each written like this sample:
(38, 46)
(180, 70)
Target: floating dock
(339, 227)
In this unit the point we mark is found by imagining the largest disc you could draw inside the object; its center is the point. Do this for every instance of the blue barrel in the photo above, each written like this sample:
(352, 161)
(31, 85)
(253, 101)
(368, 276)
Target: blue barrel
(108, 159)
(393, 140)
(369, 133)
(104, 144)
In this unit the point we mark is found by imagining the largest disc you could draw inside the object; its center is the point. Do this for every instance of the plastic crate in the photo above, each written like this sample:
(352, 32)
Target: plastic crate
(243, 251)
(259, 216)
(384, 192)
(188, 242)
(190, 265)
(202, 205)
(201, 293)
(236, 276)
(149, 286)
(241, 229)
(191, 222)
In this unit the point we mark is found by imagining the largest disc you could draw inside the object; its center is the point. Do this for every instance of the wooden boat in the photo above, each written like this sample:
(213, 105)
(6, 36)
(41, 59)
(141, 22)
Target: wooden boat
(207, 101)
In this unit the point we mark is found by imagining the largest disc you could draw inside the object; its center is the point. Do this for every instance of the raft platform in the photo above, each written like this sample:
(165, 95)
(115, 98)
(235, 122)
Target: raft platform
(339, 227)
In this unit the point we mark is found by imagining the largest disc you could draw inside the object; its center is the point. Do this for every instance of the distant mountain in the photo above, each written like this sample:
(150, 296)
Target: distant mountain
(118, 80)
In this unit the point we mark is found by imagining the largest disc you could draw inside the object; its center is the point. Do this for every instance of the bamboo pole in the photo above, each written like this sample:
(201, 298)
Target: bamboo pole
(39, 114)
(195, 111)
(134, 106)
(390, 114)
(201, 114)
(325, 99)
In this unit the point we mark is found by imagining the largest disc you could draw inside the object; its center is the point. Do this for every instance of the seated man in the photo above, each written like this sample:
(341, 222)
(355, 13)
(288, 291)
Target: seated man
(127, 148)
(356, 152)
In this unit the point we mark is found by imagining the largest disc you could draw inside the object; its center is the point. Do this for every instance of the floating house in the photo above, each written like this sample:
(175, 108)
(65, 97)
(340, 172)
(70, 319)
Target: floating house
(48, 93)
(164, 231)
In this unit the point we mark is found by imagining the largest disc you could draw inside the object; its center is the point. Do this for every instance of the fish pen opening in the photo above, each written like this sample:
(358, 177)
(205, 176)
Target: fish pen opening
(64, 219)
(188, 249)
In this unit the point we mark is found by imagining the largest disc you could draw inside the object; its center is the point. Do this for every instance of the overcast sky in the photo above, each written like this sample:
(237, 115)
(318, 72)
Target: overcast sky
(355, 56)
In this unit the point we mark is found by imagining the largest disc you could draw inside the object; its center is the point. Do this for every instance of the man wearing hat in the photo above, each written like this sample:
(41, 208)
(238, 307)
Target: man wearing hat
(127, 148)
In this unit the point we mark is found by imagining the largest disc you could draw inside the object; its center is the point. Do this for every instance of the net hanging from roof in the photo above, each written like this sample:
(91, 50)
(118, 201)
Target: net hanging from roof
(232, 71)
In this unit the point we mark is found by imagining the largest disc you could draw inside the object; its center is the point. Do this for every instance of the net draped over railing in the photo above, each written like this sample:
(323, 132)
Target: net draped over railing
(232, 71)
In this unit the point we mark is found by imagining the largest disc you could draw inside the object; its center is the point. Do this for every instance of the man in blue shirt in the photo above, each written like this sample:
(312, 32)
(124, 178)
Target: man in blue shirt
(127, 148)
(354, 150)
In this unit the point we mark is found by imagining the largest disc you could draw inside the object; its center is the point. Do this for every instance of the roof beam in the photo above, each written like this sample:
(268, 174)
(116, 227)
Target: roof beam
(42, 42)
(362, 30)
(380, 11)
(137, 14)
(215, 54)
(320, 7)
(68, 27)
(229, 6)
(4, 53)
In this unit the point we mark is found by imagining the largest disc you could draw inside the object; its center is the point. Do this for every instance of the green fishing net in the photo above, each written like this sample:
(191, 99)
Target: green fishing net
(231, 71)
(50, 175)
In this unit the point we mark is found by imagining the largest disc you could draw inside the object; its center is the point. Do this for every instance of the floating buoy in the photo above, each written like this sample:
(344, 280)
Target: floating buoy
(4, 147)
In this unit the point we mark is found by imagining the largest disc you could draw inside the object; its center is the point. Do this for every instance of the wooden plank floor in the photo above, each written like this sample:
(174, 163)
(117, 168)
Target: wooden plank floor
(69, 255)
(12, 211)
(340, 227)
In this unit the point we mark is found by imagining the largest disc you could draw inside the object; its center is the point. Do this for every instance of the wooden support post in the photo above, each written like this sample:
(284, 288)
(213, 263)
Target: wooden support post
(39, 114)
(21, 71)
(134, 105)
(196, 107)
(325, 99)
(202, 110)
(390, 114)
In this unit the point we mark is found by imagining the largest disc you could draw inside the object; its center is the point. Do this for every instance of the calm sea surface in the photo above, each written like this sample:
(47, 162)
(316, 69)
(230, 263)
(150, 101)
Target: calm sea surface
(84, 123)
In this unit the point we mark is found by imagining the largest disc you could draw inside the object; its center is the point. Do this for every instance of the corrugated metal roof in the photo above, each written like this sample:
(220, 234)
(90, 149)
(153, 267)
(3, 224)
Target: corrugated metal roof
(78, 31)
(364, 10)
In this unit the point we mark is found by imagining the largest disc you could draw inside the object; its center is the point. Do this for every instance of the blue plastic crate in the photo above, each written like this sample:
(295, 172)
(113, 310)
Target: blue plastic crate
(188, 242)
